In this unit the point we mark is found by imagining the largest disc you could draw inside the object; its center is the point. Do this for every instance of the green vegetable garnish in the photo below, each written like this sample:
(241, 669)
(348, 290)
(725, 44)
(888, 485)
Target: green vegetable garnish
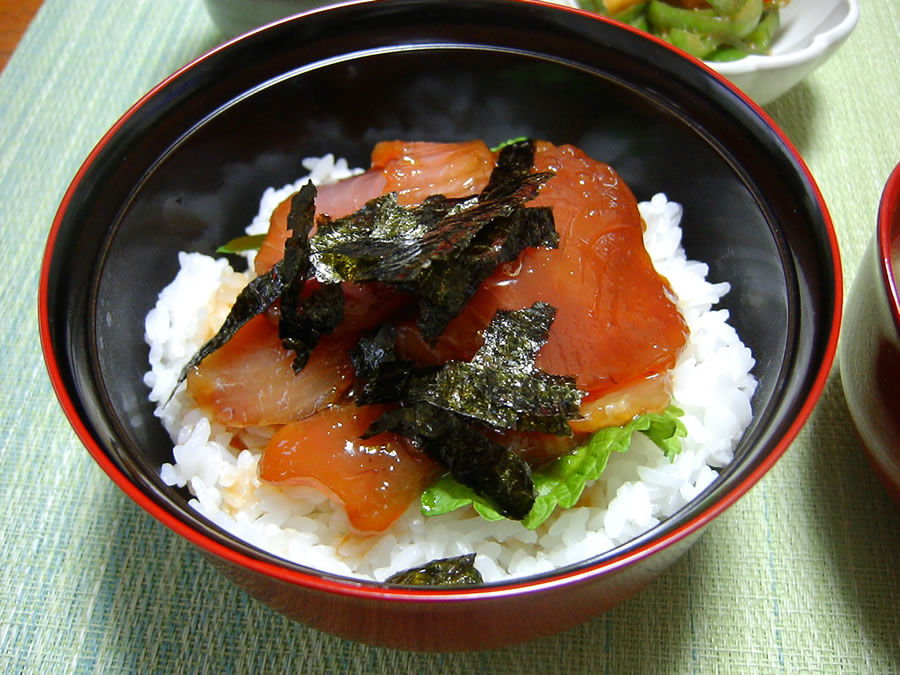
(632, 14)
(734, 26)
(249, 242)
(725, 30)
(563, 481)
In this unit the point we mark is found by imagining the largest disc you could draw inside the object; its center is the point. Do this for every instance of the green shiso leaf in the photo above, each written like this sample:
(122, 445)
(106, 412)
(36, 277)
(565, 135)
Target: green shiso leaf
(561, 483)
(455, 571)
(249, 242)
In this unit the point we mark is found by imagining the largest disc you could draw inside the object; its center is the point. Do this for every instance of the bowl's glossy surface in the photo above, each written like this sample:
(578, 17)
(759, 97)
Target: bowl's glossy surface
(870, 348)
(202, 146)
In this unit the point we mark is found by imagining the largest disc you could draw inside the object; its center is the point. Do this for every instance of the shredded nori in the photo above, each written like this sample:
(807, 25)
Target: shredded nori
(500, 387)
(255, 298)
(492, 471)
(444, 248)
(380, 376)
(304, 321)
(446, 286)
(319, 313)
(456, 571)
(514, 163)
(372, 350)
(444, 411)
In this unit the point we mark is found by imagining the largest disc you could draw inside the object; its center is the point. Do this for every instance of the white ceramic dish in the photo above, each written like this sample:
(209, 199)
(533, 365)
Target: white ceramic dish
(810, 32)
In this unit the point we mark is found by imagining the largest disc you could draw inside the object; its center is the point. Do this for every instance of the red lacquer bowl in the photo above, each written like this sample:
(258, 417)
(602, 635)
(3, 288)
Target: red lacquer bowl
(870, 347)
(183, 170)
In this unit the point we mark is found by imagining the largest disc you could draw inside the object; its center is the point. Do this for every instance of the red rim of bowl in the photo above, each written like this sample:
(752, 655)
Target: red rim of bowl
(362, 589)
(888, 233)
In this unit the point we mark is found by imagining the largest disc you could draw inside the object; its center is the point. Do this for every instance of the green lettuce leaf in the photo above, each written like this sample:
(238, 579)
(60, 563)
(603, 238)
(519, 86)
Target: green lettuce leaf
(562, 482)
(248, 242)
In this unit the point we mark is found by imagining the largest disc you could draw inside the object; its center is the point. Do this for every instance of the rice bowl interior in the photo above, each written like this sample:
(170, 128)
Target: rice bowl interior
(638, 489)
(191, 220)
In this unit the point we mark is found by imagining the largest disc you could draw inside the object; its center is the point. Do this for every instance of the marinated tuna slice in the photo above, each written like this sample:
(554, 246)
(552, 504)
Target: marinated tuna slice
(616, 323)
(335, 199)
(375, 480)
(414, 170)
(249, 381)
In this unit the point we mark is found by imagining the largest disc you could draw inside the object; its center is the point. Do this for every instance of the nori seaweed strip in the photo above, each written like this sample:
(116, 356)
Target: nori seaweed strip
(384, 378)
(492, 471)
(382, 241)
(303, 322)
(514, 163)
(255, 298)
(500, 387)
(319, 313)
(387, 242)
(372, 350)
(459, 227)
(455, 571)
(262, 291)
(447, 285)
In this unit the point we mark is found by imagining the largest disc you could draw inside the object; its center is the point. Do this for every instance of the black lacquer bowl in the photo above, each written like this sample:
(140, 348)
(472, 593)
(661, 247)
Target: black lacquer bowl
(183, 169)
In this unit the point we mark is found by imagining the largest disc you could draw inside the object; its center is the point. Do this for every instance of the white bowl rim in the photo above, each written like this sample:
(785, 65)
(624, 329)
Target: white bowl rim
(819, 44)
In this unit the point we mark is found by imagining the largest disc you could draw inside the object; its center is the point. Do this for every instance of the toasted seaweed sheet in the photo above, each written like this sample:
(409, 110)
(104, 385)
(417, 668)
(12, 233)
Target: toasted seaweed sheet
(284, 281)
(500, 387)
(445, 411)
(492, 471)
(255, 298)
(381, 377)
(444, 248)
(304, 321)
(459, 570)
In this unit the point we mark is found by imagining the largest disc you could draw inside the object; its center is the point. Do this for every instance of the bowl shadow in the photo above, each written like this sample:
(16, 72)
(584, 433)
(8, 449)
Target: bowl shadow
(797, 113)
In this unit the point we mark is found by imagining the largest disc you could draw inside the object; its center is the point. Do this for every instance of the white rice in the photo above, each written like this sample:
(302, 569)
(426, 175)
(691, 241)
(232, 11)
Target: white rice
(638, 489)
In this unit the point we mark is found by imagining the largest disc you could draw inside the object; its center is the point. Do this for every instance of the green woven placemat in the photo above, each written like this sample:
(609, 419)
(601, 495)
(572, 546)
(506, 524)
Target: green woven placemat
(800, 575)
